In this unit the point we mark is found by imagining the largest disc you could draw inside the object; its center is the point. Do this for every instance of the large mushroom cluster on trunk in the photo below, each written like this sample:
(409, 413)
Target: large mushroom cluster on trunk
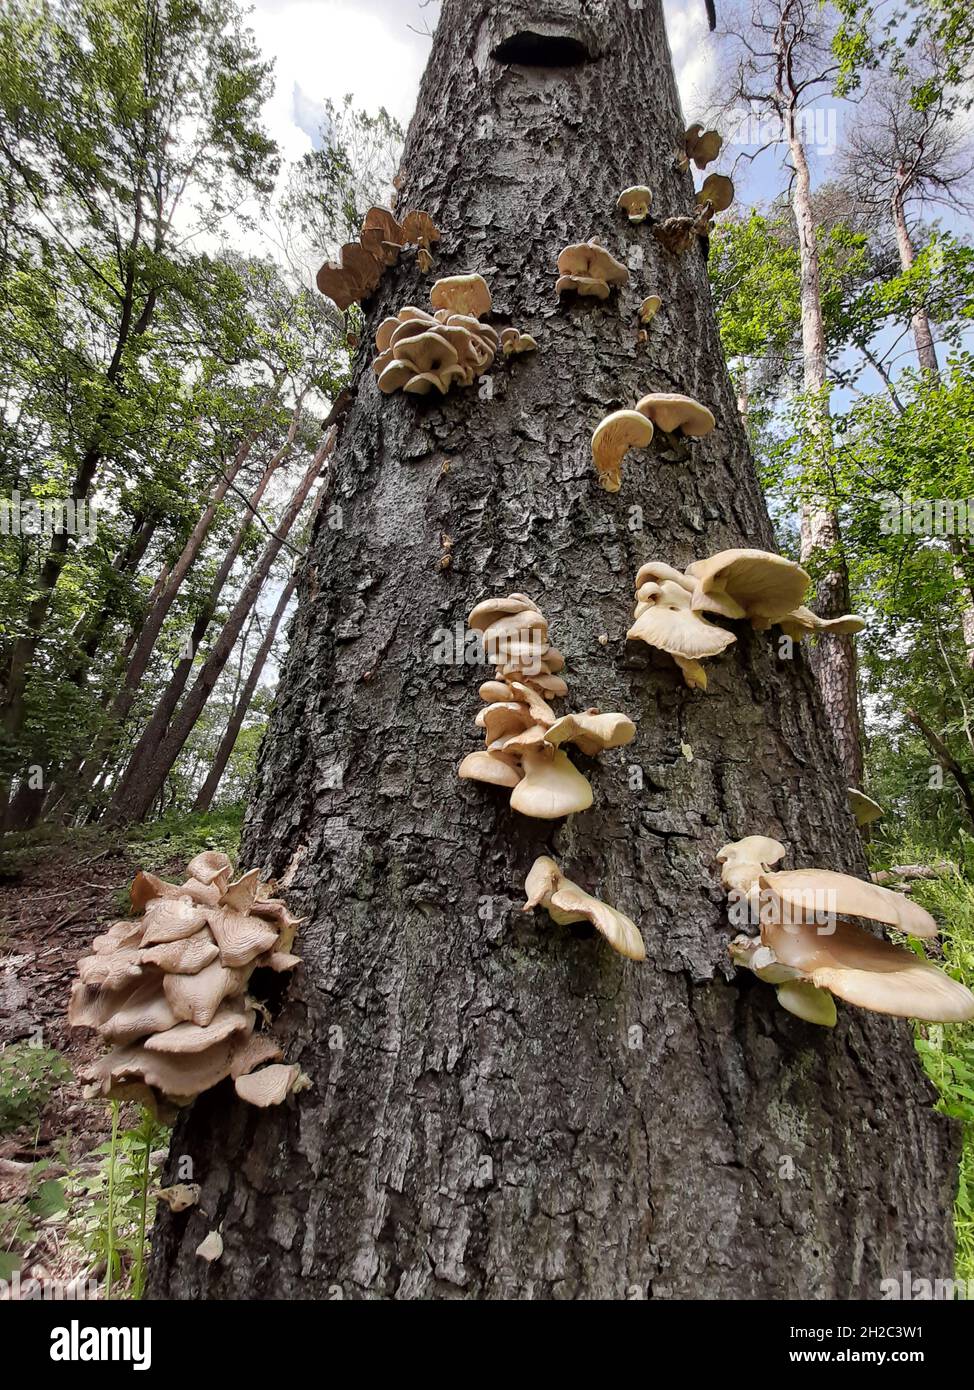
(419, 352)
(810, 952)
(523, 734)
(363, 263)
(765, 588)
(168, 990)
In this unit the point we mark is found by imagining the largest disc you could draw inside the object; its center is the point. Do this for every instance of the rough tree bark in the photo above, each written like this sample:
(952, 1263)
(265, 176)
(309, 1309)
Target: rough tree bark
(503, 1107)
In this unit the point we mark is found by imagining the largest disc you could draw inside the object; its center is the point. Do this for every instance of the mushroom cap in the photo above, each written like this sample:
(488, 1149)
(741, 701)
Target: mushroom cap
(582, 284)
(195, 1037)
(381, 219)
(863, 807)
(504, 717)
(210, 1247)
(395, 376)
(672, 412)
(111, 970)
(718, 191)
(550, 788)
(636, 202)
(592, 733)
(497, 769)
(119, 936)
(196, 998)
(706, 147)
(753, 849)
(210, 866)
(427, 352)
(537, 705)
(870, 972)
(145, 1010)
(492, 610)
(253, 1052)
(240, 936)
(587, 260)
(269, 1086)
(566, 903)
(669, 623)
(803, 621)
(495, 691)
(172, 919)
(614, 437)
(807, 1001)
(338, 284)
(748, 583)
(649, 308)
(824, 890)
(419, 229)
(462, 294)
(658, 571)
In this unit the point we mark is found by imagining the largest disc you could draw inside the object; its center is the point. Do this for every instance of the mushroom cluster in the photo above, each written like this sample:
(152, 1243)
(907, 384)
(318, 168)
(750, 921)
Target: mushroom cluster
(702, 146)
(362, 263)
(523, 734)
(168, 990)
(810, 953)
(767, 589)
(677, 234)
(566, 903)
(589, 270)
(633, 429)
(419, 352)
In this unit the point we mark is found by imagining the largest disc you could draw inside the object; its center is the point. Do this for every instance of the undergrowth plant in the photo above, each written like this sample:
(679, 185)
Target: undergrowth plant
(28, 1077)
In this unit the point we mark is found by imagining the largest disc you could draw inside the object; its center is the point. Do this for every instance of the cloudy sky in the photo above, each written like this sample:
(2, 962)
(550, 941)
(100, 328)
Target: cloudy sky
(376, 49)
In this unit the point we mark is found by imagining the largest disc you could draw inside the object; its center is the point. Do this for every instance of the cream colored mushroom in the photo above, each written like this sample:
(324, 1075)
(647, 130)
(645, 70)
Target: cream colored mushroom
(665, 620)
(497, 769)
(513, 342)
(751, 584)
(196, 998)
(565, 903)
(806, 1001)
(799, 894)
(269, 1086)
(803, 621)
(592, 732)
(196, 1037)
(702, 146)
(462, 294)
(635, 202)
(744, 861)
(588, 269)
(615, 436)
(649, 308)
(863, 807)
(551, 787)
(673, 412)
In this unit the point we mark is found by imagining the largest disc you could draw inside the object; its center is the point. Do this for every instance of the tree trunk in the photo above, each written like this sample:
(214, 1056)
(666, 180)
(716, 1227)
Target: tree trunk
(503, 1107)
(148, 768)
(213, 777)
(834, 660)
(927, 358)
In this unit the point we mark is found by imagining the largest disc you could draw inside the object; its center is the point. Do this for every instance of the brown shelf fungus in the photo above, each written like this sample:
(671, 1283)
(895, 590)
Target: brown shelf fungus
(674, 413)
(718, 191)
(589, 270)
(362, 263)
(614, 437)
(635, 202)
(677, 234)
(169, 990)
(702, 146)
(546, 886)
(522, 733)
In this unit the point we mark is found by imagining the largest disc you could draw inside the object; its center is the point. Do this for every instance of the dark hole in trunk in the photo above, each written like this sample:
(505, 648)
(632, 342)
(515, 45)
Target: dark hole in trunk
(530, 50)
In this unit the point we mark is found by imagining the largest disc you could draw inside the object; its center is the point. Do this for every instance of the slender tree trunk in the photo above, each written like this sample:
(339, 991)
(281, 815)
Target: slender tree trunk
(148, 743)
(945, 758)
(502, 1107)
(834, 660)
(144, 776)
(239, 714)
(927, 358)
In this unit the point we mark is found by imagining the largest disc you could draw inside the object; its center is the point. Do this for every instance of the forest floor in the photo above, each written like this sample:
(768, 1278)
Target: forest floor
(56, 894)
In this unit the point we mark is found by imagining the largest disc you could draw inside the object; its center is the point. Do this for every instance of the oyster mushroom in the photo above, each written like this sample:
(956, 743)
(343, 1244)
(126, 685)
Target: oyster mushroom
(635, 202)
(565, 903)
(588, 269)
(551, 787)
(269, 1086)
(614, 437)
(672, 412)
(753, 584)
(718, 191)
(462, 294)
(665, 619)
(863, 807)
